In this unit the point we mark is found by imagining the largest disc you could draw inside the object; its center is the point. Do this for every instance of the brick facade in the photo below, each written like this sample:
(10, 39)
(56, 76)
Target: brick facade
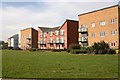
(58, 37)
(28, 38)
(100, 25)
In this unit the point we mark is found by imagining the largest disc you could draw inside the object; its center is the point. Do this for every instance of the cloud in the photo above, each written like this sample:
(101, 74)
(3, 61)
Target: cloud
(50, 14)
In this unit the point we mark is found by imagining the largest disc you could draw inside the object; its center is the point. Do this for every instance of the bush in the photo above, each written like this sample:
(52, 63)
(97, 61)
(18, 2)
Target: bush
(74, 46)
(111, 51)
(78, 51)
(68, 50)
(100, 48)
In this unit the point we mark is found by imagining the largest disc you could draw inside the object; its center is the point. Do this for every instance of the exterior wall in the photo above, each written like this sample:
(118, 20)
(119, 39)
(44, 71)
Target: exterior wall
(34, 38)
(72, 32)
(119, 24)
(28, 38)
(64, 36)
(13, 41)
(97, 16)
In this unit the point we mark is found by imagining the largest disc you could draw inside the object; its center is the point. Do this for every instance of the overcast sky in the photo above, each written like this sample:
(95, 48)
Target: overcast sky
(49, 13)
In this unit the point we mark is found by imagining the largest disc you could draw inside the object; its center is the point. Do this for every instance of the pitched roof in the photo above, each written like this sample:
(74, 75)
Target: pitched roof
(13, 36)
(46, 29)
(98, 10)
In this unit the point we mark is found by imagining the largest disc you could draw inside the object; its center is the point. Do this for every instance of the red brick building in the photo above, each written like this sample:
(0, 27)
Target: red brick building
(59, 37)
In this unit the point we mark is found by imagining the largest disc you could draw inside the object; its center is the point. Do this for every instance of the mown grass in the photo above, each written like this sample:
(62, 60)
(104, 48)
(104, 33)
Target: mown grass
(39, 64)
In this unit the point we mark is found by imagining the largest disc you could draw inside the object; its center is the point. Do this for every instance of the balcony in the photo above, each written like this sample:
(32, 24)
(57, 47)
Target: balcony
(82, 30)
(57, 41)
(62, 41)
(83, 39)
(29, 37)
(42, 42)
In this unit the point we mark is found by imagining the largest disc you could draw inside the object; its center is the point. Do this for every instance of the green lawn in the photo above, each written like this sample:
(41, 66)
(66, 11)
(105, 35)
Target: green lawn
(38, 64)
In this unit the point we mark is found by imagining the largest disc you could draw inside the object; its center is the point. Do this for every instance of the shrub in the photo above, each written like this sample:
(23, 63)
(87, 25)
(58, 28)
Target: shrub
(100, 48)
(68, 50)
(78, 51)
(74, 46)
(111, 51)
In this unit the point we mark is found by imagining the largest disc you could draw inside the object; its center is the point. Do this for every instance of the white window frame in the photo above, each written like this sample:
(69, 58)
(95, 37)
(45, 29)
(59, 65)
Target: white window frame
(62, 32)
(112, 21)
(112, 32)
(57, 33)
(93, 24)
(51, 33)
(93, 35)
(102, 34)
(102, 23)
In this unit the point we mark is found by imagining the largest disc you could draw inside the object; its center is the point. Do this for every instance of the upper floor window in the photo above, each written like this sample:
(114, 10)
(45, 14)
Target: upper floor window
(112, 21)
(102, 23)
(93, 24)
(112, 32)
(93, 35)
(40, 34)
(51, 33)
(83, 27)
(61, 32)
(45, 34)
(102, 34)
(62, 40)
(57, 33)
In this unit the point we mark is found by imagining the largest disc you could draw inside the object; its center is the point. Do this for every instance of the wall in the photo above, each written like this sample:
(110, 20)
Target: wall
(96, 17)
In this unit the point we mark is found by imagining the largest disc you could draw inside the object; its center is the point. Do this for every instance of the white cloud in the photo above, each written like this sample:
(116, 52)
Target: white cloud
(17, 18)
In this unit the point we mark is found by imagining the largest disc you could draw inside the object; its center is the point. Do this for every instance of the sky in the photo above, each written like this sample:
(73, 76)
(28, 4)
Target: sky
(18, 15)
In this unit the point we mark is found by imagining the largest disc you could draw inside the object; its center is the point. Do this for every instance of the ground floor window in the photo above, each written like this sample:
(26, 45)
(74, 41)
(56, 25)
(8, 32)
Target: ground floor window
(113, 44)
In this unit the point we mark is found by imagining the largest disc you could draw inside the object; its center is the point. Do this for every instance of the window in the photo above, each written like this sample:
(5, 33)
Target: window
(57, 33)
(112, 21)
(45, 34)
(102, 23)
(83, 27)
(84, 44)
(57, 40)
(61, 32)
(93, 35)
(93, 24)
(112, 44)
(51, 33)
(112, 32)
(40, 34)
(93, 43)
(62, 40)
(102, 34)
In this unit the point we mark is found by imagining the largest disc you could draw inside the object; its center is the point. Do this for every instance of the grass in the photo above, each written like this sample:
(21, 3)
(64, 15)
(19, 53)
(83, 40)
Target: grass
(38, 64)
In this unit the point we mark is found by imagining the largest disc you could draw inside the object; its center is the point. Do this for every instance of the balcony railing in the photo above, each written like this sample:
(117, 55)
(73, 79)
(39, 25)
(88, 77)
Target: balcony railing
(57, 41)
(29, 37)
(83, 39)
(42, 42)
(80, 30)
(62, 41)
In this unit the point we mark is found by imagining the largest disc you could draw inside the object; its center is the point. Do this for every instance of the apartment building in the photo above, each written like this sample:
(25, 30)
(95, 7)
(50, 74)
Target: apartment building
(100, 25)
(58, 37)
(28, 38)
(13, 41)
